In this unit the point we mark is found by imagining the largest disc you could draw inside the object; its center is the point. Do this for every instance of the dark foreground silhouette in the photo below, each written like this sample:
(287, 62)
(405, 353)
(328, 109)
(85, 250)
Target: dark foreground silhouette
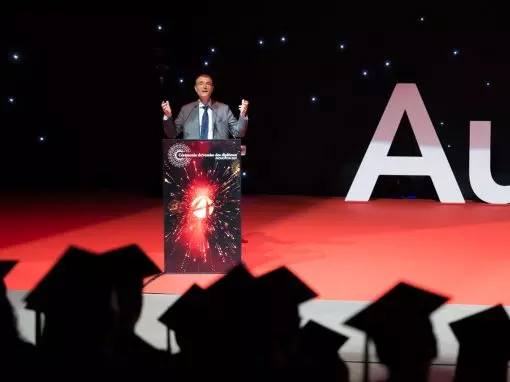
(241, 328)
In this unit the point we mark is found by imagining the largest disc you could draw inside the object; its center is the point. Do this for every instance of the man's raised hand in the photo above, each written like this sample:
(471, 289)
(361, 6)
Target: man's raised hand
(243, 108)
(166, 108)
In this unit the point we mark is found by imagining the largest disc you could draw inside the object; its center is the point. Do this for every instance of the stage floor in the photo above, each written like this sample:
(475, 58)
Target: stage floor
(345, 251)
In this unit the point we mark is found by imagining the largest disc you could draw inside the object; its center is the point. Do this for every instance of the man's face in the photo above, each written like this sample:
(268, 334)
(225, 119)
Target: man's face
(204, 87)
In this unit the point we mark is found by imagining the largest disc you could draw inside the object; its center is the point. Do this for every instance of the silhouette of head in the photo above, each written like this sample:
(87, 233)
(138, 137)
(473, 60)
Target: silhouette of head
(127, 267)
(484, 345)
(282, 292)
(318, 349)
(400, 327)
(185, 317)
(8, 322)
(75, 297)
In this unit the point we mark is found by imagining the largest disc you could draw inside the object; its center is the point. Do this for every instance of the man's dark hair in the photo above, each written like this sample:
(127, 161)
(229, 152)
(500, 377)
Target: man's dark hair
(204, 75)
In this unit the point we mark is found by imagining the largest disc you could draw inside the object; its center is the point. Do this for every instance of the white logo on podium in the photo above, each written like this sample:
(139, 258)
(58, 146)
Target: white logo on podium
(176, 157)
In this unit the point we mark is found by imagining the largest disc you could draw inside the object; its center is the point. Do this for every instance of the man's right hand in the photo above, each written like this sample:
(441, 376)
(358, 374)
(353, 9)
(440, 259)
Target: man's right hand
(166, 108)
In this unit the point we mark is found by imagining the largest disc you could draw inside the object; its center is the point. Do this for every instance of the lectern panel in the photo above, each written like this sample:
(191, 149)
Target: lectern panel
(202, 202)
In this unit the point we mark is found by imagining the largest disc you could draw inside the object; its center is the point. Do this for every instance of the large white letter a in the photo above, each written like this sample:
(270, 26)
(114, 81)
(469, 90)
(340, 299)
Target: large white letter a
(433, 162)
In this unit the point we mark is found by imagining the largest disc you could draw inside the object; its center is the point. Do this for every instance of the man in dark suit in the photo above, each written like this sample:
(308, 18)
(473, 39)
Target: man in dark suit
(205, 118)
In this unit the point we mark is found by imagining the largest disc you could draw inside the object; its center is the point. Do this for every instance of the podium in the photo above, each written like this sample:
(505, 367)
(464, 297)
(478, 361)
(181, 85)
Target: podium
(202, 205)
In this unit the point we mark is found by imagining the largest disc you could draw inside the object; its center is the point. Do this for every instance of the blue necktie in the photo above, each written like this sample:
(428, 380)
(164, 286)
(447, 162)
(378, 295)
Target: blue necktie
(204, 129)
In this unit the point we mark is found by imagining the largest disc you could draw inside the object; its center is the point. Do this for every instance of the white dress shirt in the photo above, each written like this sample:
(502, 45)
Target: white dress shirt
(200, 116)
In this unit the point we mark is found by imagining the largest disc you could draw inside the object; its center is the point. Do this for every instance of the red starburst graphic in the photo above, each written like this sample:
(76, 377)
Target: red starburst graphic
(202, 220)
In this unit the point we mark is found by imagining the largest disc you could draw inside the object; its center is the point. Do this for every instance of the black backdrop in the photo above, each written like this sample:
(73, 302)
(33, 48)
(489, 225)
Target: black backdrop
(88, 81)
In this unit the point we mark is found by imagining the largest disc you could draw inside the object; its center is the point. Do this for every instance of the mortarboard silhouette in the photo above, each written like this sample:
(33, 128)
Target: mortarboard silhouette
(318, 337)
(484, 345)
(285, 286)
(129, 262)
(16, 352)
(189, 319)
(276, 316)
(232, 298)
(127, 267)
(75, 283)
(281, 292)
(184, 314)
(70, 270)
(75, 297)
(399, 325)
(184, 317)
(240, 319)
(177, 316)
(6, 266)
(319, 356)
(238, 280)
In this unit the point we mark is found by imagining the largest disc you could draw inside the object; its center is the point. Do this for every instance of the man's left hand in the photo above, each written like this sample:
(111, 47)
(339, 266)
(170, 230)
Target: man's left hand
(243, 108)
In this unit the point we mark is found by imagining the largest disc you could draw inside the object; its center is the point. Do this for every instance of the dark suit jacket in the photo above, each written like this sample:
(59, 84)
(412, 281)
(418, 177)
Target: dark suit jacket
(187, 122)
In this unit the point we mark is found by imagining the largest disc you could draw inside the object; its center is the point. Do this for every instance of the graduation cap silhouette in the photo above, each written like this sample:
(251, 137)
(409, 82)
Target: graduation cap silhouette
(398, 318)
(129, 262)
(127, 267)
(318, 338)
(233, 297)
(484, 345)
(281, 292)
(320, 345)
(64, 285)
(184, 315)
(285, 287)
(6, 266)
(238, 280)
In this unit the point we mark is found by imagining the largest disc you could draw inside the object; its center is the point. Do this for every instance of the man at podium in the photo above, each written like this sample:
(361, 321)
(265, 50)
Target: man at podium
(205, 118)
